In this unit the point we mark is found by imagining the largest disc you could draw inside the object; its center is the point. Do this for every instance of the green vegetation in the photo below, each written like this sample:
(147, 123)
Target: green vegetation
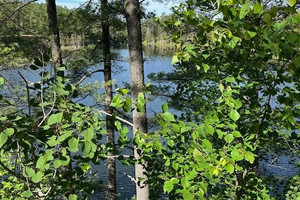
(236, 72)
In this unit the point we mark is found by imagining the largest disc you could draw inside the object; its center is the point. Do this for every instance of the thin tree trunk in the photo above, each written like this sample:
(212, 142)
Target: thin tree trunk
(54, 34)
(133, 18)
(111, 166)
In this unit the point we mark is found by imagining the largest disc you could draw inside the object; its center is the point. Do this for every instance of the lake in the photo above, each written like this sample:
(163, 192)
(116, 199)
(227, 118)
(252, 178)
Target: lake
(154, 62)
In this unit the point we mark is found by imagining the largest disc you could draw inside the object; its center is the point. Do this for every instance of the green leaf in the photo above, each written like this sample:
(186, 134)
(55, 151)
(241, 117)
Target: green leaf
(37, 177)
(236, 155)
(238, 104)
(41, 162)
(229, 168)
(229, 138)
(175, 128)
(234, 41)
(291, 2)
(230, 79)
(206, 144)
(175, 59)
(245, 9)
(174, 180)
(297, 61)
(234, 115)
(117, 102)
(1, 80)
(54, 118)
(141, 101)
(203, 187)
(30, 172)
(167, 116)
(165, 107)
(267, 18)
(210, 129)
(171, 143)
(52, 141)
(206, 67)
(257, 8)
(185, 182)
(57, 164)
(197, 155)
(185, 129)
(141, 98)
(168, 186)
(9, 131)
(26, 194)
(177, 23)
(252, 34)
(60, 68)
(73, 197)
(88, 134)
(3, 139)
(236, 134)
(249, 156)
(73, 144)
(187, 195)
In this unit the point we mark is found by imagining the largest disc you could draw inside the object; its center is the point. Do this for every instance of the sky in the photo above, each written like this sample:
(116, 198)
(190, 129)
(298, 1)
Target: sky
(151, 6)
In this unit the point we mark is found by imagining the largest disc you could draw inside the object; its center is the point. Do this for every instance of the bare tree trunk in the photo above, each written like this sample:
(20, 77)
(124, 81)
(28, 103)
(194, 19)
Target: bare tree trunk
(111, 166)
(54, 33)
(133, 15)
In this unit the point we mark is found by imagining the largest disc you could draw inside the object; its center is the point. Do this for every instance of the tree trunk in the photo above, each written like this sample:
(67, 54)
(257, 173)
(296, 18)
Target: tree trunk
(54, 33)
(111, 166)
(133, 15)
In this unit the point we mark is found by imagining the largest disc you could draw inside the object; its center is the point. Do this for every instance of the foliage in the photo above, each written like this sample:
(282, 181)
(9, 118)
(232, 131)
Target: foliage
(237, 69)
(9, 56)
(54, 144)
(237, 77)
(294, 190)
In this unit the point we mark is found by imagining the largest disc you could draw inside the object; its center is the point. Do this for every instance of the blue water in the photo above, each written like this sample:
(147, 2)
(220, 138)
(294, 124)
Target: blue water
(121, 74)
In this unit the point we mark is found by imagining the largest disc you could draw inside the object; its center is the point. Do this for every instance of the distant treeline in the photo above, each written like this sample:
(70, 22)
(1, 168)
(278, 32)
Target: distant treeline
(27, 29)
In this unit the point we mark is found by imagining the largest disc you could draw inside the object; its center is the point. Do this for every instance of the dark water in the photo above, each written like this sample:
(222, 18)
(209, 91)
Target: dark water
(154, 63)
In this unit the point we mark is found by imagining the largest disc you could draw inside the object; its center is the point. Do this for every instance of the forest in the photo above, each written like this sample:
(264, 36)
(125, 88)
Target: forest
(110, 101)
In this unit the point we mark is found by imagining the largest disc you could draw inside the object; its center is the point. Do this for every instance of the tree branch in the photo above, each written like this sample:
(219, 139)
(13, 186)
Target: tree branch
(118, 118)
(20, 7)
(84, 77)
(27, 89)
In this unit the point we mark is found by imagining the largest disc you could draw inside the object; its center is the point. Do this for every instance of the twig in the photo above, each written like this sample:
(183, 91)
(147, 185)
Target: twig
(20, 7)
(42, 88)
(131, 178)
(22, 165)
(118, 118)
(95, 49)
(84, 77)
(12, 172)
(85, 96)
(45, 117)
(27, 89)
(70, 53)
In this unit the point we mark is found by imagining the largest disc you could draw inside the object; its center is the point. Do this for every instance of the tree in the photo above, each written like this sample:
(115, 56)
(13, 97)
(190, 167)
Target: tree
(111, 165)
(133, 19)
(54, 33)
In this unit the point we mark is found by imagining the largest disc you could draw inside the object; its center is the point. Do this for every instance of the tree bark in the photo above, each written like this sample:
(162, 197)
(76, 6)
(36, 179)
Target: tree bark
(111, 161)
(54, 34)
(133, 19)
